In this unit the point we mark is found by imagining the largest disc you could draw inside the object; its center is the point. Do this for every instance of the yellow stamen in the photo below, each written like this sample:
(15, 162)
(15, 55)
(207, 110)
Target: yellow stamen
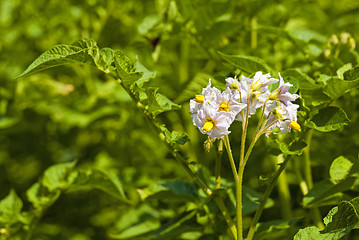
(199, 98)
(294, 125)
(224, 107)
(208, 126)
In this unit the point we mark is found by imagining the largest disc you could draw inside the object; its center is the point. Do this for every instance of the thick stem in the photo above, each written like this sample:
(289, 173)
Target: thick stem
(238, 182)
(284, 193)
(239, 202)
(315, 213)
(265, 198)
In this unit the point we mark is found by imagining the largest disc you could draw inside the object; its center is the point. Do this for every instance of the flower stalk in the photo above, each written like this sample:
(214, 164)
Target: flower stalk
(213, 112)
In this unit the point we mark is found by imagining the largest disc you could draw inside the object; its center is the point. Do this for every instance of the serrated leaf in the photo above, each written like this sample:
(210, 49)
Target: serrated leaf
(10, 208)
(340, 168)
(158, 103)
(125, 69)
(55, 177)
(328, 119)
(99, 179)
(248, 64)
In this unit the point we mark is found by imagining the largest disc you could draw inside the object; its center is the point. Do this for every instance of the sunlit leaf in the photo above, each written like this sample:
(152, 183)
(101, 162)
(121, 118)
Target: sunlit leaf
(313, 233)
(55, 177)
(340, 168)
(10, 208)
(158, 103)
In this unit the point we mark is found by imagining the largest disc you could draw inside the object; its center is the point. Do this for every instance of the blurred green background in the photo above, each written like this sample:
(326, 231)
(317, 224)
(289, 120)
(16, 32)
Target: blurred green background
(77, 113)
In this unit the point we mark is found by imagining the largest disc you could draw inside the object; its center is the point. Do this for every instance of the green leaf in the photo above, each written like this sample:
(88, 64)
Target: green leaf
(60, 55)
(180, 138)
(171, 190)
(174, 136)
(336, 87)
(138, 229)
(313, 233)
(10, 208)
(55, 177)
(177, 226)
(343, 69)
(294, 148)
(328, 119)
(344, 218)
(125, 69)
(273, 229)
(146, 74)
(195, 86)
(41, 197)
(314, 97)
(248, 64)
(328, 193)
(251, 200)
(304, 81)
(351, 74)
(340, 168)
(158, 103)
(100, 179)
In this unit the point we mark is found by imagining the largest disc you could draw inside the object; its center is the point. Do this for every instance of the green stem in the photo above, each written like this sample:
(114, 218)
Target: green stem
(307, 165)
(283, 190)
(218, 164)
(239, 202)
(315, 213)
(230, 156)
(265, 198)
(244, 134)
(238, 182)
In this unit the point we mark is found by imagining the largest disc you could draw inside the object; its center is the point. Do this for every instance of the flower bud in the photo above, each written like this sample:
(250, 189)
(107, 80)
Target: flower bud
(294, 125)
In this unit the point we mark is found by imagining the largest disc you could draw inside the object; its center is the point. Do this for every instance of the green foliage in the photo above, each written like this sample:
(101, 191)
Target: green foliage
(79, 152)
(328, 119)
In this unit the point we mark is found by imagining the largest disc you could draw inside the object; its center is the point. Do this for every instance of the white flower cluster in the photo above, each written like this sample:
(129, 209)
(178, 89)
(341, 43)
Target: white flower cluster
(213, 112)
